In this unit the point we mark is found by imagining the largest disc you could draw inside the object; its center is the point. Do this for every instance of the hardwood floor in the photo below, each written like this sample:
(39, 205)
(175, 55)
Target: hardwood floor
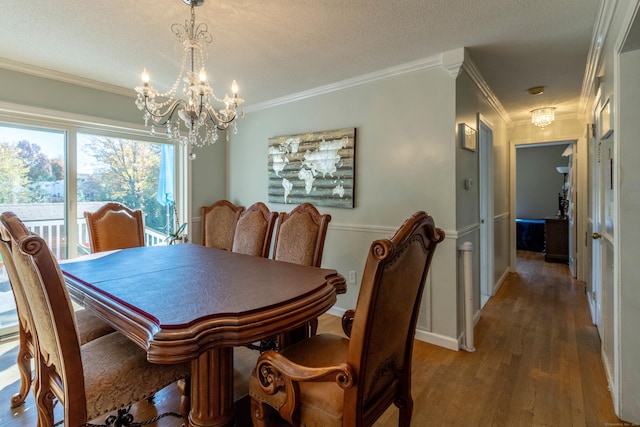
(537, 363)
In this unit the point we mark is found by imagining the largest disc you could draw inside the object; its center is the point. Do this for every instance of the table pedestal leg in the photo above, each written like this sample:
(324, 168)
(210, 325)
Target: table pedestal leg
(212, 389)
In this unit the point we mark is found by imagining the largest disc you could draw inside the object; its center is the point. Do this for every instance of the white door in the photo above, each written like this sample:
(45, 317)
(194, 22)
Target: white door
(595, 177)
(485, 143)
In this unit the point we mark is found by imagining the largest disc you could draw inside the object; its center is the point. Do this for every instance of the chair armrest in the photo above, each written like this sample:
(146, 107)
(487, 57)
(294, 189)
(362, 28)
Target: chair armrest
(275, 372)
(273, 365)
(347, 322)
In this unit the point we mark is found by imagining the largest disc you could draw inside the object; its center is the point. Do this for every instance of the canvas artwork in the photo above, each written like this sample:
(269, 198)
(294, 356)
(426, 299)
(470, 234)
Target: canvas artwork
(316, 167)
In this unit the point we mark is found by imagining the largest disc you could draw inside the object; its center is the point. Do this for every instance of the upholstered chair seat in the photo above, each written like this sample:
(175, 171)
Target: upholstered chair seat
(90, 326)
(117, 374)
(115, 226)
(329, 380)
(219, 224)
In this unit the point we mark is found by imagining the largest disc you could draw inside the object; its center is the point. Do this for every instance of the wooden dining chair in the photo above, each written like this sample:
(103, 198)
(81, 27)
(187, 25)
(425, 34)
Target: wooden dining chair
(219, 224)
(90, 326)
(254, 230)
(115, 226)
(300, 235)
(99, 377)
(330, 380)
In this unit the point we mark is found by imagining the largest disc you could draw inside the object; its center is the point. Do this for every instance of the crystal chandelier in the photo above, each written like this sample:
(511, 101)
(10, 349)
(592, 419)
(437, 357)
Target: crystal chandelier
(543, 117)
(192, 121)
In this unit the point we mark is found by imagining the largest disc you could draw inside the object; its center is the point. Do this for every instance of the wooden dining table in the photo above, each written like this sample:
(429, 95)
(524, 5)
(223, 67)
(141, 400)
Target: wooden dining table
(187, 302)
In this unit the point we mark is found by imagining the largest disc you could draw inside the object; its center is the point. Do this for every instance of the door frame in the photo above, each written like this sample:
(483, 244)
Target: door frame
(487, 280)
(577, 220)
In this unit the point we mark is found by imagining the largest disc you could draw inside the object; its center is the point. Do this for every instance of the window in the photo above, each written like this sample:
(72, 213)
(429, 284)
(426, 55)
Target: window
(32, 171)
(43, 169)
(138, 174)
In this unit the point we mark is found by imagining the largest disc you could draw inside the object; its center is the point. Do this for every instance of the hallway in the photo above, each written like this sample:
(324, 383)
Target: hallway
(537, 360)
(537, 363)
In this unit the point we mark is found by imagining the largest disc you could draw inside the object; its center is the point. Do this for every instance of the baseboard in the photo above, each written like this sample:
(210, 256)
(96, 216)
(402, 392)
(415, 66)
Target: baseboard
(436, 339)
(424, 336)
(502, 279)
(336, 311)
(610, 382)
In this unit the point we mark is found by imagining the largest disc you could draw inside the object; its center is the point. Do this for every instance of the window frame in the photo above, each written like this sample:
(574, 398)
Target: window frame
(71, 125)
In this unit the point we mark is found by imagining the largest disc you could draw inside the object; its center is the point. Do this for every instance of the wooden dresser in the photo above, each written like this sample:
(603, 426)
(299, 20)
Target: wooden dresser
(556, 240)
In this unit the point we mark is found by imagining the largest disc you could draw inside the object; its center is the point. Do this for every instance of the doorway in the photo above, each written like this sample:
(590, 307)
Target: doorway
(543, 186)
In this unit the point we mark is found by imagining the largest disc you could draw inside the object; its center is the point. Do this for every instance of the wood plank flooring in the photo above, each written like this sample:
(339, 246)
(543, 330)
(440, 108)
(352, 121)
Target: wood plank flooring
(537, 363)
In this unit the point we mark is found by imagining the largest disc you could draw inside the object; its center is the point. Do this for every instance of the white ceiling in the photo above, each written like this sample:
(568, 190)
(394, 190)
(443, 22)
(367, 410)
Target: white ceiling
(276, 48)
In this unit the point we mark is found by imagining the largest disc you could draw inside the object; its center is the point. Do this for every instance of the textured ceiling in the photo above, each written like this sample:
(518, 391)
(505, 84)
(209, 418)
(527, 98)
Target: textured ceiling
(275, 48)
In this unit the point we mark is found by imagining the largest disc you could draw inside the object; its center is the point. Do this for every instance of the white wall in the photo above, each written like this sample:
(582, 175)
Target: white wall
(629, 155)
(469, 102)
(405, 157)
(537, 180)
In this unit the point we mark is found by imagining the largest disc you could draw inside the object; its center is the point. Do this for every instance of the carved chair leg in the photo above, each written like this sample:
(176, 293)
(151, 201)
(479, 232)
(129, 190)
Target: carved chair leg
(44, 404)
(24, 368)
(405, 406)
(260, 413)
(184, 387)
(313, 327)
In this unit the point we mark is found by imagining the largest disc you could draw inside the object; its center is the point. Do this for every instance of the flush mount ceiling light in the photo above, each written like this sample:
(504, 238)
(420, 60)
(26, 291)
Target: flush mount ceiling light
(536, 90)
(543, 117)
(197, 113)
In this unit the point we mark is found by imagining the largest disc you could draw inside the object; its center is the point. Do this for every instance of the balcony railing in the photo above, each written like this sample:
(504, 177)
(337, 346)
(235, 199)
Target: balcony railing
(52, 231)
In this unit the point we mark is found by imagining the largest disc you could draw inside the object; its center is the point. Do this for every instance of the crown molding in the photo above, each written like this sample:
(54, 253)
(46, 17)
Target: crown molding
(596, 54)
(452, 61)
(387, 73)
(470, 67)
(20, 67)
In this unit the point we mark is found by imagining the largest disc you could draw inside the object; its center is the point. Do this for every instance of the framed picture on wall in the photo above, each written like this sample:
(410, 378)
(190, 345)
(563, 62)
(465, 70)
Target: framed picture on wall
(313, 167)
(606, 118)
(467, 136)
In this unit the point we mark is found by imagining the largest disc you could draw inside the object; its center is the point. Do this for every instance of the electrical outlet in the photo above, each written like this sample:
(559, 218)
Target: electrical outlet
(352, 277)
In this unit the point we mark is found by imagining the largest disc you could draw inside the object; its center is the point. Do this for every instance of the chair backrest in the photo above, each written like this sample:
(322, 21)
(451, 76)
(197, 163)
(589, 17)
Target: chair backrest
(6, 250)
(58, 360)
(384, 325)
(254, 231)
(219, 224)
(300, 235)
(115, 226)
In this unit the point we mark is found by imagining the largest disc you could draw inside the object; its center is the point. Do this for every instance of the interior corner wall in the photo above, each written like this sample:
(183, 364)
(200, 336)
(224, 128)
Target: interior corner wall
(469, 102)
(209, 181)
(405, 162)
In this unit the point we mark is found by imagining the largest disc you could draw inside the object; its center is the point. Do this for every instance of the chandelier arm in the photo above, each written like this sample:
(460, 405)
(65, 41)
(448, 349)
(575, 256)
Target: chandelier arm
(217, 120)
(163, 118)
